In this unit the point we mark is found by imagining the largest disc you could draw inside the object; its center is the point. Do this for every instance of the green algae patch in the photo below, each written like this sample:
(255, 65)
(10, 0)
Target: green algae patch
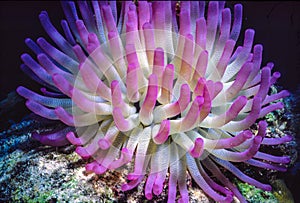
(254, 194)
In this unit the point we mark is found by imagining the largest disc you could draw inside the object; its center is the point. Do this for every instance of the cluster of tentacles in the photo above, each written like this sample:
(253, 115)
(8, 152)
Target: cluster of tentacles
(160, 84)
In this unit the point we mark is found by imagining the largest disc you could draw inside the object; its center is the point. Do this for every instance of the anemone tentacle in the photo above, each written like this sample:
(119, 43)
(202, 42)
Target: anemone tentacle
(160, 84)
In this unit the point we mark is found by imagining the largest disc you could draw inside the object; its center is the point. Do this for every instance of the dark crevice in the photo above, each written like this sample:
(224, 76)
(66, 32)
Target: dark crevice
(137, 106)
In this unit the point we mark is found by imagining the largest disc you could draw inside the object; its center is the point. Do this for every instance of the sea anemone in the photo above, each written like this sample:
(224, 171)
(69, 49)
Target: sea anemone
(159, 84)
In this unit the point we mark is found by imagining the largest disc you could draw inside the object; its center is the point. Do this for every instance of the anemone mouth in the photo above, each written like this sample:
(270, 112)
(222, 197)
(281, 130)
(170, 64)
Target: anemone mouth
(168, 93)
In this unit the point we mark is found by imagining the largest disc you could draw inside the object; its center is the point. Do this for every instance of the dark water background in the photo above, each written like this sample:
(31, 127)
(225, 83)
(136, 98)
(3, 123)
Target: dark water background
(277, 27)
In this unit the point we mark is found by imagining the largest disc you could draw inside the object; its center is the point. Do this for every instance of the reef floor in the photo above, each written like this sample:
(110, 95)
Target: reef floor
(31, 172)
(47, 174)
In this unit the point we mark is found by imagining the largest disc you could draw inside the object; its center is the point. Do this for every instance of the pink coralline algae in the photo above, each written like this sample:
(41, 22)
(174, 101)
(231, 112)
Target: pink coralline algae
(159, 84)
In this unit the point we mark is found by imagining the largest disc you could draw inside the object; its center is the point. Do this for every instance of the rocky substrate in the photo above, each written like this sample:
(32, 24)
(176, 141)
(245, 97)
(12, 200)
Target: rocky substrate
(31, 172)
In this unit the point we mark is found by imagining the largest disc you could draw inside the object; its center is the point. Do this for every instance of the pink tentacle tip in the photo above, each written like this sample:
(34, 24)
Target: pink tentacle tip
(280, 105)
(192, 116)
(90, 166)
(93, 42)
(150, 99)
(247, 134)
(288, 138)
(184, 199)
(28, 103)
(267, 188)
(79, 24)
(163, 132)
(132, 184)
(262, 128)
(132, 7)
(44, 90)
(157, 188)
(276, 75)
(126, 155)
(286, 160)
(170, 67)
(197, 150)
(133, 176)
(64, 116)
(99, 169)
(147, 25)
(228, 199)
(125, 187)
(20, 90)
(112, 35)
(281, 168)
(184, 97)
(285, 93)
(73, 139)
(131, 67)
(255, 145)
(104, 143)
(199, 89)
(82, 152)
(36, 136)
(199, 101)
(257, 140)
(121, 123)
(153, 87)
(149, 195)
(158, 60)
(116, 93)
(113, 85)
(79, 54)
(125, 158)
